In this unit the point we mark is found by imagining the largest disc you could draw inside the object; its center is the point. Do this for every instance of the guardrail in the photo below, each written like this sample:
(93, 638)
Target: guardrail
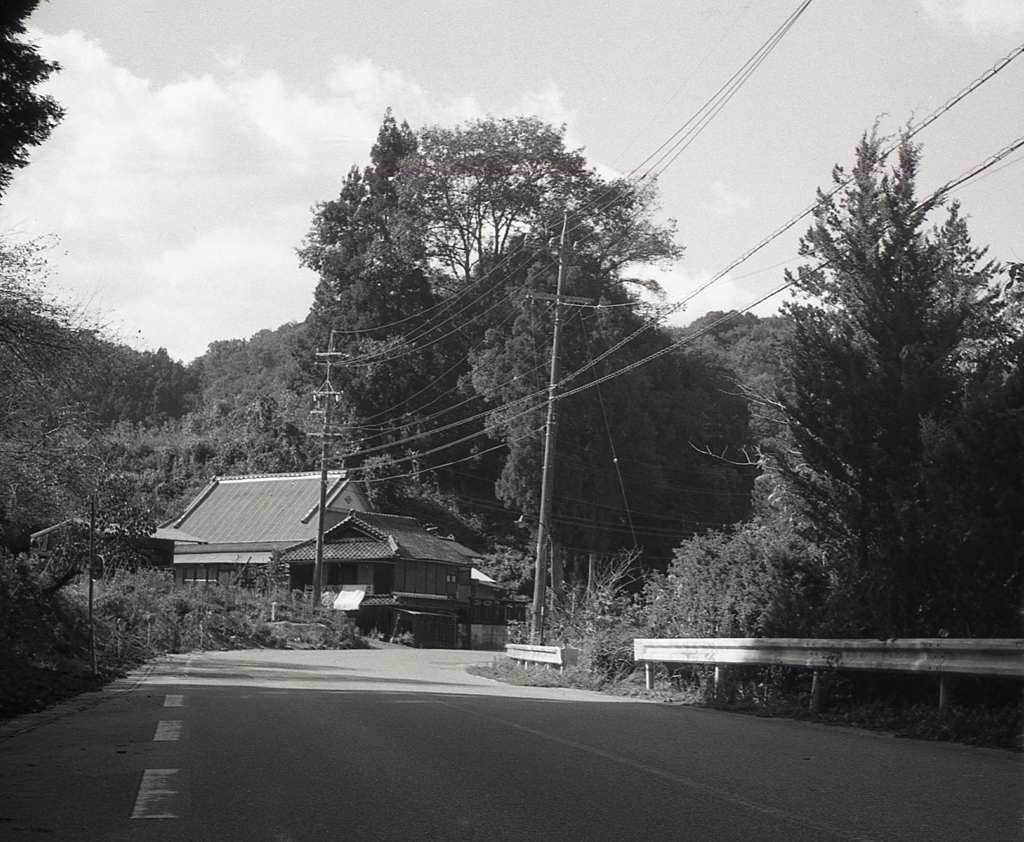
(557, 656)
(938, 656)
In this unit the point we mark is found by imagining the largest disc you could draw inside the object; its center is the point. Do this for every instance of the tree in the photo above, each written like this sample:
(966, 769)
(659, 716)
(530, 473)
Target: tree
(897, 328)
(476, 190)
(42, 344)
(433, 265)
(491, 199)
(28, 118)
(374, 292)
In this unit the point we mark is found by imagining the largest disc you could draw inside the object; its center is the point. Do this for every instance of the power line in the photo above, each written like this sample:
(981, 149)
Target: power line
(943, 109)
(651, 323)
(670, 348)
(702, 117)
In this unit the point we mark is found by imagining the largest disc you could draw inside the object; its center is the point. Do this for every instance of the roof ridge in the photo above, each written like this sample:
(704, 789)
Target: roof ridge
(392, 515)
(330, 496)
(287, 475)
(354, 515)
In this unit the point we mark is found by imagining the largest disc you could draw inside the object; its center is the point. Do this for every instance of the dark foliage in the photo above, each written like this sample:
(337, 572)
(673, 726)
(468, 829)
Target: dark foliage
(28, 118)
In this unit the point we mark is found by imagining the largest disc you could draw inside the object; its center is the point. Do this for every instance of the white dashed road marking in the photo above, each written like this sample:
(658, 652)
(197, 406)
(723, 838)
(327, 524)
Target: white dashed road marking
(168, 729)
(174, 702)
(163, 794)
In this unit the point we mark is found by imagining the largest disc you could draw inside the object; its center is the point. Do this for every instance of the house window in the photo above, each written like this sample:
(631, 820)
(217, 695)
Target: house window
(199, 574)
(383, 578)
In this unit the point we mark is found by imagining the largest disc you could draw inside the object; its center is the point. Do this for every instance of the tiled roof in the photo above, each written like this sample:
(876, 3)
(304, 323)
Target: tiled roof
(263, 507)
(462, 549)
(414, 600)
(349, 550)
(375, 535)
(413, 540)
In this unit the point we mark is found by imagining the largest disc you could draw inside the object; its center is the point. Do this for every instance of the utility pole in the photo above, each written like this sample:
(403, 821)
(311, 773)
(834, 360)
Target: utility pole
(92, 576)
(324, 397)
(544, 542)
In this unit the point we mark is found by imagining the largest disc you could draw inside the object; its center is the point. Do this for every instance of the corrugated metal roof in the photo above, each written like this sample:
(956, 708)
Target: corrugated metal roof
(262, 507)
(223, 558)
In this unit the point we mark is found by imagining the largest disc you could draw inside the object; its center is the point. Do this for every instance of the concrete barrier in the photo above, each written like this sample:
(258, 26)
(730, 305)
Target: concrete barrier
(556, 656)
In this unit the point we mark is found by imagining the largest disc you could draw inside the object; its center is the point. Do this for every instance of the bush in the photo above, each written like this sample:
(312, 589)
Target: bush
(599, 619)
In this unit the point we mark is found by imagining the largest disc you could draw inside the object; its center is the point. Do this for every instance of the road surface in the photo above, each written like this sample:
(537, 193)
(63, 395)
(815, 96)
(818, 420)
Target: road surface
(400, 744)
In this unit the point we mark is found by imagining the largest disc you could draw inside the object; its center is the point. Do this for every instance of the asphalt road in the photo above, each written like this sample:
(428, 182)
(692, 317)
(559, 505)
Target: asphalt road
(401, 744)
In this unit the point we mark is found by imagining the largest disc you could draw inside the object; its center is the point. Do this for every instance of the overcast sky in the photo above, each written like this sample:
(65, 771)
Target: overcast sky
(199, 135)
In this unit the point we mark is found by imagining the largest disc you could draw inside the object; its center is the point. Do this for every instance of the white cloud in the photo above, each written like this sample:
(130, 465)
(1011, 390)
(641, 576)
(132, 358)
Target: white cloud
(547, 104)
(981, 15)
(689, 295)
(179, 207)
(724, 200)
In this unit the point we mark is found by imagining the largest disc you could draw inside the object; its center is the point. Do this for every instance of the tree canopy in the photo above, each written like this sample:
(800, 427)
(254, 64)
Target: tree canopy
(28, 117)
(893, 469)
(431, 262)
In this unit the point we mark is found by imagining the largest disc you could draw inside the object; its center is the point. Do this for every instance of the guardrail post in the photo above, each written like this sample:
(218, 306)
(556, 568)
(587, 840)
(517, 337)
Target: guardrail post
(943, 693)
(648, 675)
(816, 683)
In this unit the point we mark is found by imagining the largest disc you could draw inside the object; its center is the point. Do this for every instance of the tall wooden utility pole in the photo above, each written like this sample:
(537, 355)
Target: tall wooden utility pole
(92, 577)
(324, 397)
(544, 542)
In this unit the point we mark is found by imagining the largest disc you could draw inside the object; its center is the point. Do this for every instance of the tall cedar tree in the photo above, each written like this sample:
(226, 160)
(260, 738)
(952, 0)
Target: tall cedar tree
(373, 292)
(900, 326)
(27, 117)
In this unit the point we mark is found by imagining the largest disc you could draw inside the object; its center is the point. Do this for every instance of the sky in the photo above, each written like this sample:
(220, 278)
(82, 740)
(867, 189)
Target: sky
(199, 136)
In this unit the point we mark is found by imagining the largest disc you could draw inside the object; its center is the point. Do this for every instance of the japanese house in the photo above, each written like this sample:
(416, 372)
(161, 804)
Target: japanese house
(231, 530)
(400, 580)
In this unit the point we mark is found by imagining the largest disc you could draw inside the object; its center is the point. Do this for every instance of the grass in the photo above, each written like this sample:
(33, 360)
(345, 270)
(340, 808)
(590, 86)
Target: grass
(44, 632)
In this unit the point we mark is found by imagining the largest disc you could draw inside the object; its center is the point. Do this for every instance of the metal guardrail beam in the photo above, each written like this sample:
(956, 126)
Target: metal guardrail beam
(939, 656)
